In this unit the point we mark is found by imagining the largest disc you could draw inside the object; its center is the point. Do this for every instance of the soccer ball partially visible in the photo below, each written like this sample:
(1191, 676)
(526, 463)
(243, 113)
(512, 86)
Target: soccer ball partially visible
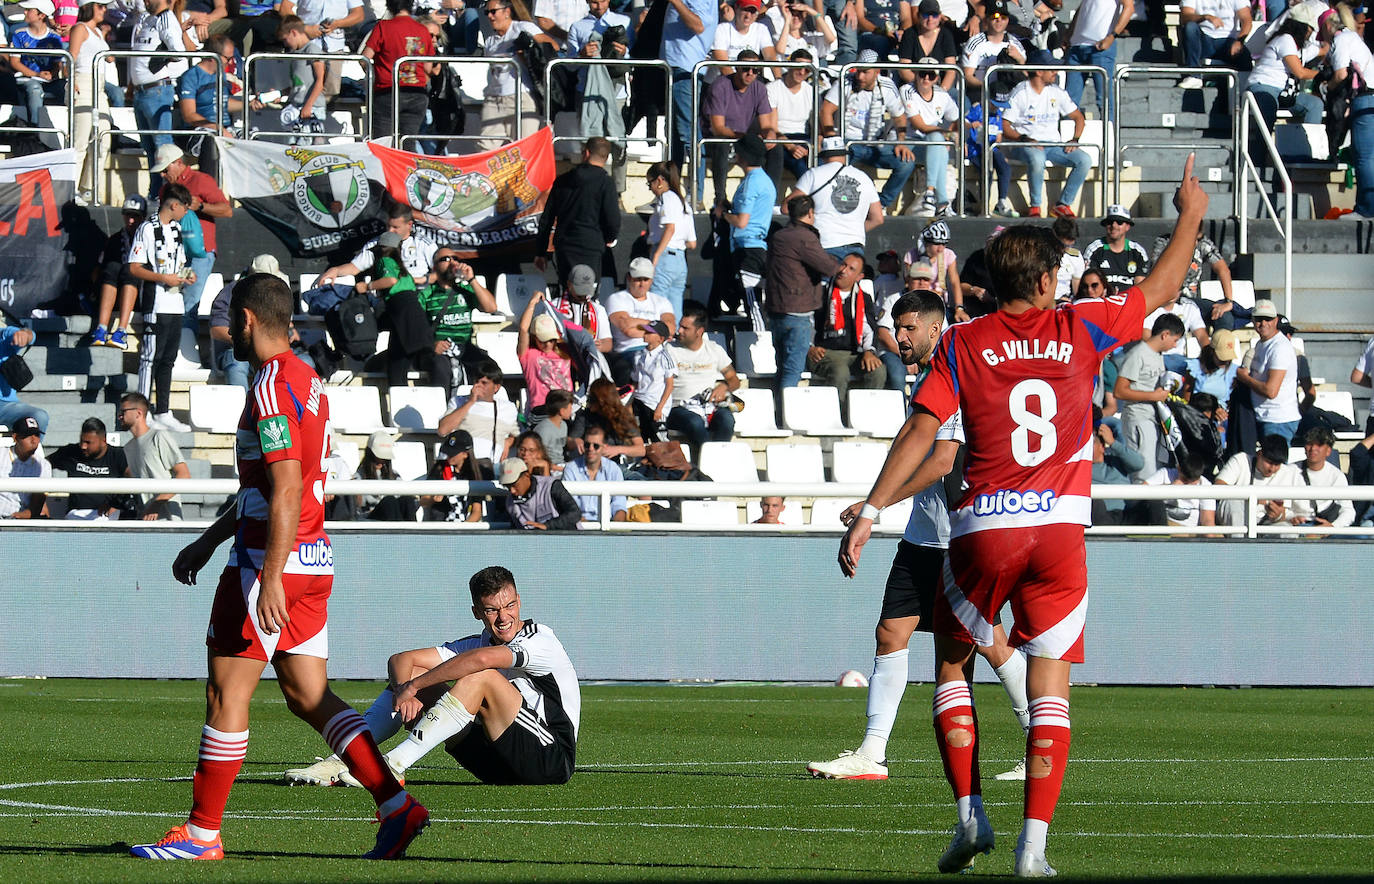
(852, 678)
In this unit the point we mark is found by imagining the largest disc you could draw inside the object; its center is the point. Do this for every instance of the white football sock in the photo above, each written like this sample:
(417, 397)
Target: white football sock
(1013, 676)
(440, 721)
(969, 806)
(201, 833)
(1033, 834)
(885, 689)
(383, 720)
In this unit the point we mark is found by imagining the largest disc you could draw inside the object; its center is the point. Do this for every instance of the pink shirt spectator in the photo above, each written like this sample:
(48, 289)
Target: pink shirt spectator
(545, 372)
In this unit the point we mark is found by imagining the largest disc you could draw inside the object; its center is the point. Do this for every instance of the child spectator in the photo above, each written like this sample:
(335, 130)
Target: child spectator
(547, 365)
(158, 260)
(552, 428)
(530, 448)
(652, 376)
(455, 462)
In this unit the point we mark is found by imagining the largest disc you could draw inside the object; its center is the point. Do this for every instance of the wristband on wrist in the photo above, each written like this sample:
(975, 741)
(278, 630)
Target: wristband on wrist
(869, 511)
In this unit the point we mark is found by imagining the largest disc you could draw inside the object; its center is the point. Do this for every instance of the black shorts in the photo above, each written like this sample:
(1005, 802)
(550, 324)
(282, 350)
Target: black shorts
(116, 273)
(528, 753)
(912, 584)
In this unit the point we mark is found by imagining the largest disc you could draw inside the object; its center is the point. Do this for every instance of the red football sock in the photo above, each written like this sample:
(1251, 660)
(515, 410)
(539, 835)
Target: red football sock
(956, 731)
(221, 756)
(1047, 754)
(347, 734)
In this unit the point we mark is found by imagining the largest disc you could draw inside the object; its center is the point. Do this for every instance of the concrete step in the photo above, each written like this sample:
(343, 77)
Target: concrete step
(53, 360)
(111, 386)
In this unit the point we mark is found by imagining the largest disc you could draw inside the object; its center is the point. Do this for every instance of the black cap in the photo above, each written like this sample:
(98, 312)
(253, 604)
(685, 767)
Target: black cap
(26, 426)
(751, 150)
(458, 440)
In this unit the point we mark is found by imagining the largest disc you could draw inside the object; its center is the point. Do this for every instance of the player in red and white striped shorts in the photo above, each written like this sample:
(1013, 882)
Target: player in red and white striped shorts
(272, 600)
(1023, 378)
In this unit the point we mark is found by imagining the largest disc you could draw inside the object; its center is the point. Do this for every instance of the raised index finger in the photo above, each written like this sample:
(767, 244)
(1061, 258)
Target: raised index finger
(1188, 168)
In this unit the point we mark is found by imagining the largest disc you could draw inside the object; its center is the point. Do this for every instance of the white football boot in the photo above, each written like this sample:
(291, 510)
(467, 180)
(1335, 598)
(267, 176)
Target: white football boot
(849, 766)
(324, 772)
(970, 839)
(1032, 865)
(1016, 773)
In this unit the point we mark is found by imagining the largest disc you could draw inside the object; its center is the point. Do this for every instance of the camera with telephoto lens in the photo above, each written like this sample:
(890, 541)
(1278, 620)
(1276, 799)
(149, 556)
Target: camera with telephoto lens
(609, 37)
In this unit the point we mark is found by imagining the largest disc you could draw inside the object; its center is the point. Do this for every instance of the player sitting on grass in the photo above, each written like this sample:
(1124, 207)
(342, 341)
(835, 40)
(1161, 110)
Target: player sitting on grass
(511, 716)
(909, 599)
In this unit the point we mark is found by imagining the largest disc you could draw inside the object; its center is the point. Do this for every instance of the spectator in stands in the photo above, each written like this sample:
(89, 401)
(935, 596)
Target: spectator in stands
(529, 447)
(731, 108)
(846, 324)
(93, 457)
(1268, 466)
(705, 379)
(1138, 387)
(1114, 463)
(844, 15)
(1218, 314)
(587, 31)
(743, 31)
(449, 304)
(490, 419)
(1279, 63)
(880, 24)
(13, 340)
(1092, 41)
(602, 89)
(1176, 358)
(1214, 371)
(578, 305)
(1361, 375)
(39, 77)
(653, 374)
(152, 454)
(807, 30)
(933, 117)
(376, 465)
(920, 276)
(973, 146)
(688, 29)
(539, 503)
(1123, 261)
(499, 97)
(546, 362)
(671, 233)
(405, 89)
(24, 460)
(153, 80)
(929, 43)
(418, 251)
(209, 204)
(454, 462)
(1350, 56)
(793, 100)
(770, 510)
(1216, 30)
(1093, 284)
(1032, 116)
(1185, 512)
(1272, 376)
(1317, 471)
(992, 45)
(749, 217)
(594, 465)
(932, 246)
(306, 103)
(629, 309)
(411, 343)
(158, 261)
(889, 279)
(873, 110)
(846, 202)
(326, 21)
(86, 39)
(235, 371)
(1071, 264)
(200, 102)
(115, 279)
(1362, 473)
(552, 426)
(557, 17)
(581, 218)
(201, 15)
(796, 266)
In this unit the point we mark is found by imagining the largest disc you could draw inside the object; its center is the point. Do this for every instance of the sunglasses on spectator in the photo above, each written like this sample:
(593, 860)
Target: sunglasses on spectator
(442, 258)
(595, 446)
(928, 75)
(1258, 319)
(1092, 285)
(492, 10)
(758, 72)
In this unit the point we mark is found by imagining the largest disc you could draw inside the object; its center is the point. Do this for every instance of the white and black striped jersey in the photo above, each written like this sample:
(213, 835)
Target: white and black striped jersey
(542, 672)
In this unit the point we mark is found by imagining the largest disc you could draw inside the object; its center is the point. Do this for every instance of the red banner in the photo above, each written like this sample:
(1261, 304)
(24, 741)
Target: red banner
(475, 203)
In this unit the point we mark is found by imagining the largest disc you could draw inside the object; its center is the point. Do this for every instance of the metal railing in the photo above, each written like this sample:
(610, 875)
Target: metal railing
(64, 133)
(98, 82)
(1250, 116)
(1120, 148)
(631, 63)
(1108, 106)
(1251, 495)
(398, 141)
(957, 146)
(699, 141)
(321, 104)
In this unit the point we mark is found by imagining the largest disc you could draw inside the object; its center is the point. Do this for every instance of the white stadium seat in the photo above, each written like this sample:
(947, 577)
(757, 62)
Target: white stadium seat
(857, 463)
(757, 420)
(795, 463)
(710, 512)
(896, 515)
(408, 460)
(1338, 402)
(355, 409)
(825, 511)
(417, 409)
(514, 290)
(754, 355)
(814, 411)
(878, 413)
(214, 284)
(501, 345)
(728, 462)
(215, 408)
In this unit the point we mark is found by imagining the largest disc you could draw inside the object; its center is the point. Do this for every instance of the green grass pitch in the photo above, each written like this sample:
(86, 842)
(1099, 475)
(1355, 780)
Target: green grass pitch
(706, 783)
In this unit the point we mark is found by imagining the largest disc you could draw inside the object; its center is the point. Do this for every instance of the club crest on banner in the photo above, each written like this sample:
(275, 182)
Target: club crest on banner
(330, 189)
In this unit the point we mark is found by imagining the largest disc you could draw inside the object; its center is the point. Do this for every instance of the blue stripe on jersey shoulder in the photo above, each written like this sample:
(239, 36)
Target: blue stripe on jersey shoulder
(1101, 340)
(300, 408)
(949, 356)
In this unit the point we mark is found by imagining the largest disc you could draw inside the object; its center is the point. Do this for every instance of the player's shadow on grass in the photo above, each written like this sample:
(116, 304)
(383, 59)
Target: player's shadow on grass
(937, 775)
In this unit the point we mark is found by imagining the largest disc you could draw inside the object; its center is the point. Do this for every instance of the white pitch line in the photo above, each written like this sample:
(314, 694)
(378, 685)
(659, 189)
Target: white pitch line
(761, 762)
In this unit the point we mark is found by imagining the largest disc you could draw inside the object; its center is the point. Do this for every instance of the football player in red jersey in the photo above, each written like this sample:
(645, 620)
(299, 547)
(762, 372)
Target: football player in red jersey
(1023, 378)
(271, 602)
